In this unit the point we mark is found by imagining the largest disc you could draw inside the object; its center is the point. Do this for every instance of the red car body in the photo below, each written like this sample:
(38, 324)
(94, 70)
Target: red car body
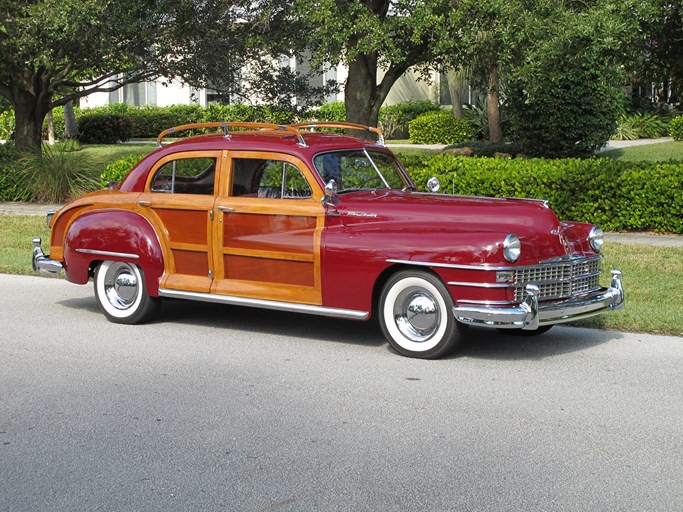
(252, 218)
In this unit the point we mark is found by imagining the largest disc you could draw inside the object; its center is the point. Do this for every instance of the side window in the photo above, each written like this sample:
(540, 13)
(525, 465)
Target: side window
(274, 179)
(186, 176)
(295, 185)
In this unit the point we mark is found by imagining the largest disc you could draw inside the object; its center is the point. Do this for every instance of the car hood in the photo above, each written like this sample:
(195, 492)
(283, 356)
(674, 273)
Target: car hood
(438, 216)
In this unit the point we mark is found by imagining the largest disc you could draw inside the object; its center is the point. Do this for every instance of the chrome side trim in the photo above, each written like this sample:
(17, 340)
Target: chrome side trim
(563, 259)
(487, 302)
(451, 265)
(483, 285)
(109, 253)
(350, 314)
(489, 198)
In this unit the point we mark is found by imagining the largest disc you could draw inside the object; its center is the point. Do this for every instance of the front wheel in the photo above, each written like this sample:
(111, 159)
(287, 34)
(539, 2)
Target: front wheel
(121, 293)
(416, 315)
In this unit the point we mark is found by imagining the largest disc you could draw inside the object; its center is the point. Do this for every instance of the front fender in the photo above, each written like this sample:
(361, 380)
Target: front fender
(118, 235)
(353, 260)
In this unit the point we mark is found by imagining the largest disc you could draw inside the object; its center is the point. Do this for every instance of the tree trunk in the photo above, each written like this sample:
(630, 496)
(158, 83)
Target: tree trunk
(29, 116)
(70, 124)
(360, 92)
(493, 103)
(456, 82)
(50, 129)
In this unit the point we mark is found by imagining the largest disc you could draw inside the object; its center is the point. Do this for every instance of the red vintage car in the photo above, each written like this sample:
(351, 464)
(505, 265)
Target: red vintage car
(298, 218)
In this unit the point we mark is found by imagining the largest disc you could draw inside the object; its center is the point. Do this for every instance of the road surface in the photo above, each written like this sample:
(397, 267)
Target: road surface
(224, 408)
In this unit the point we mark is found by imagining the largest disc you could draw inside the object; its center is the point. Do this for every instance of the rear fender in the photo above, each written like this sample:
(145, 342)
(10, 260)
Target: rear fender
(117, 235)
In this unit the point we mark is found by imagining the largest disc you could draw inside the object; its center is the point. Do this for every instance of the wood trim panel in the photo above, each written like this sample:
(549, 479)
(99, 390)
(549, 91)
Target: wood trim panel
(179, 246)
(268, 254)
(273, 255)
(266, 291)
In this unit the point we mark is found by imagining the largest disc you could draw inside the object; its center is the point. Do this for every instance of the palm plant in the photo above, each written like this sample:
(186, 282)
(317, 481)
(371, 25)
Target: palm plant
(56, 175)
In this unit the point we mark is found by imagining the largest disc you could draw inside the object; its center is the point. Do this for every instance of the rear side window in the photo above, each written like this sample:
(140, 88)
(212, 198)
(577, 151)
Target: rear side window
(274, 179)
(186, 176)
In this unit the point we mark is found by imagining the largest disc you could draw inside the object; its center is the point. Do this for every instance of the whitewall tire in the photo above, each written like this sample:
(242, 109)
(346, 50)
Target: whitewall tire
(416, 315)
(121, 293)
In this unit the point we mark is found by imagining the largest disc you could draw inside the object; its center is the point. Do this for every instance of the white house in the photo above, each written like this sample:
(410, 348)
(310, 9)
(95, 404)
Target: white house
(407, 88)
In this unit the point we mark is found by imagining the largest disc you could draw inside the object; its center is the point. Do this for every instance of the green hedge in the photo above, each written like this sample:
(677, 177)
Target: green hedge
(439, 127)
(393, 119)
(118, 170)
(676, 128)
(104, 128)
(618, 196)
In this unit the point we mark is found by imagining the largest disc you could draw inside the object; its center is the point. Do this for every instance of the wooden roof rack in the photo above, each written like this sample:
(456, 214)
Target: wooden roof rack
(294, 129)
(225, 126)
(312, 125)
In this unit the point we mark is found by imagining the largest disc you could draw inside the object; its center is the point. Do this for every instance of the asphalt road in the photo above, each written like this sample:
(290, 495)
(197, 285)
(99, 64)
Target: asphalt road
(224, 408)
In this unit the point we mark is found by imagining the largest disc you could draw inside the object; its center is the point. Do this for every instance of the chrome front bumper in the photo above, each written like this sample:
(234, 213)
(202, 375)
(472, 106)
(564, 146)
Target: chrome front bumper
(531, 314)
(42, 263)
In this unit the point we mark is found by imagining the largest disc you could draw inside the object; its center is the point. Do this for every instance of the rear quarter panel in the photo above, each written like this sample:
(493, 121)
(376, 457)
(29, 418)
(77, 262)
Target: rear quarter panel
(112, 234)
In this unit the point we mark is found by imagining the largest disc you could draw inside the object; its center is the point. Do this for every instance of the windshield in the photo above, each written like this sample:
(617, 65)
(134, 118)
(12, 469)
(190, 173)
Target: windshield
(360, 169)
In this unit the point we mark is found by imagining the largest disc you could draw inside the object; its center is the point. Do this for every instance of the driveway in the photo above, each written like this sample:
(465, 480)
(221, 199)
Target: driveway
(223, 408)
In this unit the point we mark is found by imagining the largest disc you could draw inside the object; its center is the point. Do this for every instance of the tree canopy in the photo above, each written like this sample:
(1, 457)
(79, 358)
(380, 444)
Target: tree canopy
(377, 40)
(55, 51)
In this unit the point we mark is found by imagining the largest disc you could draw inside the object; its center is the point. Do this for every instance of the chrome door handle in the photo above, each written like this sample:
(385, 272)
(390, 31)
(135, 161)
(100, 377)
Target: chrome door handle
(145, 203)
(226, 209)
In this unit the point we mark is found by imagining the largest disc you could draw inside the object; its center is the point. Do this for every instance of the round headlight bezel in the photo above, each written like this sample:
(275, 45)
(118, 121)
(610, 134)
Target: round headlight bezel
(512, 248)
(596, 238)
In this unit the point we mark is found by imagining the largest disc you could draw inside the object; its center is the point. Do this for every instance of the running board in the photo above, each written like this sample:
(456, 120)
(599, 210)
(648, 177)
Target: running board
(266, 304)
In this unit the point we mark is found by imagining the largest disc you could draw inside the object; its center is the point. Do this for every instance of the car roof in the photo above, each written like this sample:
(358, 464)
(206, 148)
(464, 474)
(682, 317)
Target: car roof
(293, 140)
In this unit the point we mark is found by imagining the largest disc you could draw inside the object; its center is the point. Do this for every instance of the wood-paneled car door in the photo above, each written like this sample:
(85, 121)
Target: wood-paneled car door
(180, 192)
(269, 223)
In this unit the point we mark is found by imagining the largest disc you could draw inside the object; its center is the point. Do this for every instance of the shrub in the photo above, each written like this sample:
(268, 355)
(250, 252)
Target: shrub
(249, 114)
(640, 125)
(616, 195)
(55, 175)
(118, 170)
(676, 128)
(439, 127)
(12, 179)
(149, 121)
(334, 111)
(7, 125)
(104, 128)
(566, 99)
(394, 119)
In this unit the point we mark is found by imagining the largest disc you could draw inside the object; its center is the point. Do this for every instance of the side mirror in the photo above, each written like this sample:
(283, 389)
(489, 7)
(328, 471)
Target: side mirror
(433, 185)
(331, 188)
(330, 192)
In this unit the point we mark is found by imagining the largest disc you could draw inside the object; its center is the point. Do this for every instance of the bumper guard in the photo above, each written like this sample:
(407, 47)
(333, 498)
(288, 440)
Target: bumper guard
(530, 314)
(42, 263)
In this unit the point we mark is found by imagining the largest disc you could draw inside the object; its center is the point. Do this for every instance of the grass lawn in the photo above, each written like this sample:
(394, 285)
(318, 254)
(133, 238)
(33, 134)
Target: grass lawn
(660, 152)
(100, 156)
(653, 277)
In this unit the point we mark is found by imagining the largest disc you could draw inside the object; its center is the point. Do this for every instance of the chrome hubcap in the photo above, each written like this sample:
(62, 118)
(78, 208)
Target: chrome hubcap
(121, 286)
(417, 315)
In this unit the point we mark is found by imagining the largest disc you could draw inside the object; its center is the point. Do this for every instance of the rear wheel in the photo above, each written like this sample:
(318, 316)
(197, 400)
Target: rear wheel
(416, 315)
(121, 293)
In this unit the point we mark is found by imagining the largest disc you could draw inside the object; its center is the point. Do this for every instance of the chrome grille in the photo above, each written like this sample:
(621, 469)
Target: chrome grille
(559, 280)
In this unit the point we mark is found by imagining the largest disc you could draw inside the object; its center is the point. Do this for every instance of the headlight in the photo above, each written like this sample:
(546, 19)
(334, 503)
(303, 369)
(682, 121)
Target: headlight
(596, 238)
(512, 248)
